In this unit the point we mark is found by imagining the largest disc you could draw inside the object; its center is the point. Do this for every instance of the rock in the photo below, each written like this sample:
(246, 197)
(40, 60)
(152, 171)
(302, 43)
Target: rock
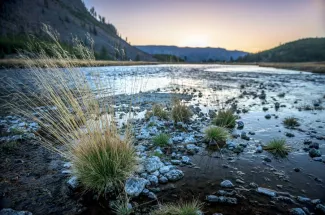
(251, 133)
(158, 151)
(265, 108)
(314, 153)
(290, 134)
(164, 169)
(276, 105)
(163, 180)
(73, 183)
(266, 191)
(221, 199)
(284, 199)
(140, 148)
(267, 160)
(296, 169)
(319, 159)
(244, 136)
(9, 211)
(316, 201)
(303, 199)
(176, 162)
(212, 114)
(240, 124)
(190, 139)
(267, 116)
(297, 211)
(307, 141)
(186, 160)
(67, 165)
(231, 145)
(227, 184)
(151, 195)
(259, 149)
(152, 164)
(134, 186)
(320, 208)
(174, 175)
(240, 181)
(192, 149)
(254, 185)
(145, 191)
(153, 180)
(314, 145)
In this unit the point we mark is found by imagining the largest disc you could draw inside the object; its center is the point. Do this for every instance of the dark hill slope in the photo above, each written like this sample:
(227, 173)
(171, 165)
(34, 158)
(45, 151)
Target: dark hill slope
(303, 50)
(69, 18)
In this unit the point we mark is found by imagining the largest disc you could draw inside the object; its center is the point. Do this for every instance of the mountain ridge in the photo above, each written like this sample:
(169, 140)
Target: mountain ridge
(193, 54)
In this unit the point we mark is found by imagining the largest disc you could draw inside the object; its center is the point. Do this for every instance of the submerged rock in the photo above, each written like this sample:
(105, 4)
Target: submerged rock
(315, 153)
(134, 186)
(303, 199)
(320, 208)
(73, 182)
(266, 191)
(267, 116)
(221, 199)
(227, 184)
(240, 125)
(174, 175)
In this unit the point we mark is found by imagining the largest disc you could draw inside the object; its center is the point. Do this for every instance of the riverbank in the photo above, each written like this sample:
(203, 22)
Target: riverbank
(315, 67)
(20, 63)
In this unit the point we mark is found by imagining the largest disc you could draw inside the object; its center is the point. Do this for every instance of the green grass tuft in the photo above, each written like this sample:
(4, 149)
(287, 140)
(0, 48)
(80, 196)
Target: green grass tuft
(225, 119)
(291, 122)
(161, 140)
(180, 112)
(277, 147)
(157, 111)
(121, 207)
(186, 208)
(218, 134)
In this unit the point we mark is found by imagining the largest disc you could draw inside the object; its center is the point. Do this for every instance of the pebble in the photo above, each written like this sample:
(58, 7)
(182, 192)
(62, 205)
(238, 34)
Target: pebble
(227, 184)
(297, 211)
(266, 191)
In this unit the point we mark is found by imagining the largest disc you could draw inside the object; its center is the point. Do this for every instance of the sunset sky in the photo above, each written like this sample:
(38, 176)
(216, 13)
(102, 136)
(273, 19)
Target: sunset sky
(248, 25)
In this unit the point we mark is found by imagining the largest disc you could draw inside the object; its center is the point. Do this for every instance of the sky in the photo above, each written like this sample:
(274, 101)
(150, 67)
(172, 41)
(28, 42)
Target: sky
(248, 25)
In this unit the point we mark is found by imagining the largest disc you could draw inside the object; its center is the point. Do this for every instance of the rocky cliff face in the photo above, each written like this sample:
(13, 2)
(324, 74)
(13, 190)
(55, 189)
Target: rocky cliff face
(69, 18)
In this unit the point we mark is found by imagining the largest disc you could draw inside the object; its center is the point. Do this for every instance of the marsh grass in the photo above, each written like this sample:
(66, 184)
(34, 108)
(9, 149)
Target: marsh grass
(158, 111)
(278, 147)
(217, 134)
(180, 112)
(72, 116)
(161, 140)
(225, 118)
(291, 122)
(182, 208)
(121, 207)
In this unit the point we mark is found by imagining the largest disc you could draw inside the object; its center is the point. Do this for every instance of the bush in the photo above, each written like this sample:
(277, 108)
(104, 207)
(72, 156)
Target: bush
(180, 112)
(277, 147)
(291, 122)
(187, 208)
(157, 111)
(225, 119)
(217, 134)
(161, 140)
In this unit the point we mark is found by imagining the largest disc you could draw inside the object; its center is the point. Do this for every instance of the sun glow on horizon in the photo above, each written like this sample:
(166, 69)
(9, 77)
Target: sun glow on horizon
(195, 41)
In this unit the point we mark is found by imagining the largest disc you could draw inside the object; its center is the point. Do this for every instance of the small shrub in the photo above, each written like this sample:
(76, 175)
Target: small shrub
(157, 111)
(103, 162)
(217, 134)
(161, 140)
(291, 122)
(187, 208)
(180, 112)
(277, 147)
(121, 207)
(225, 119)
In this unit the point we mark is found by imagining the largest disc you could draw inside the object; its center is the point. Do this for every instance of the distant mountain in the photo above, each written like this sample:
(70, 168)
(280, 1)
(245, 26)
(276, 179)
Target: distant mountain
(303, 50)
(69, 18)
(190, 54)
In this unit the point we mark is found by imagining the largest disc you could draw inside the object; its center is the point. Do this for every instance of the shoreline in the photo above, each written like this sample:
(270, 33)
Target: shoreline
(314, 67)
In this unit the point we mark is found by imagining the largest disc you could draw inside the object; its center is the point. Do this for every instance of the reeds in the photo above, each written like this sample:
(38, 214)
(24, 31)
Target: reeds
(72, 114)
(182, 208)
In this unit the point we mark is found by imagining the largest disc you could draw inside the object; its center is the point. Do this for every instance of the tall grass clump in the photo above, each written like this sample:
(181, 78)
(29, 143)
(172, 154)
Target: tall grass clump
(161, 140)
(291, 122)
(217, 134)
(225, 118)
(158, 111)
(180, 112)
(75, 119)
(278, 147)
(183, 208)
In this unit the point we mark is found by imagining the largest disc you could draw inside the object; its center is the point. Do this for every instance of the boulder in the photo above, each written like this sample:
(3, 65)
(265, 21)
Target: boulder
(174, 175)
(134, 186)
(226, 184)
